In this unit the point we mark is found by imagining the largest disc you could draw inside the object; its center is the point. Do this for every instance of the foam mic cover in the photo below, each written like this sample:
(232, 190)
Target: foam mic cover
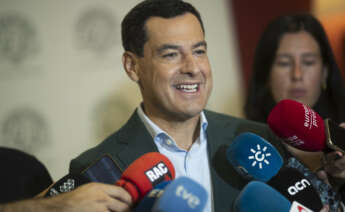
(144, 173)
(295, 187)
(182, 194)
(298, 125)
(150, 198)
(257, 196)
(253, 157)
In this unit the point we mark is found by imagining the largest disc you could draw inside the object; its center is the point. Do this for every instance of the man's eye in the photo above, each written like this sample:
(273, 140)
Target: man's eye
(200, 52)
(170, 55)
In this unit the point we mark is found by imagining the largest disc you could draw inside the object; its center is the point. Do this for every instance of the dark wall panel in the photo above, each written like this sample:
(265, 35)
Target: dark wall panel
(251, 17)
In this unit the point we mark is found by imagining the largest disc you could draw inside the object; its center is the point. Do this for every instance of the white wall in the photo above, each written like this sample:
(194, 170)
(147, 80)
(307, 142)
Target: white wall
(61, 96)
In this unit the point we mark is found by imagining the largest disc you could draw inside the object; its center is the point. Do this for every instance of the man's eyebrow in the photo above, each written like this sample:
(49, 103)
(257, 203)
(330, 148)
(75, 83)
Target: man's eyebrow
(176, 47)
(201, 43)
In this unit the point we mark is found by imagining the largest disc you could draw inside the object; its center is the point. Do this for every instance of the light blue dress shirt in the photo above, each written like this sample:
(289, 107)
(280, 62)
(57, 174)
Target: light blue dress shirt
(193, 163)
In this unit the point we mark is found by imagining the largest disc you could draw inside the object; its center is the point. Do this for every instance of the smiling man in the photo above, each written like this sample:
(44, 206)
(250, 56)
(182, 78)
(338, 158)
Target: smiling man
(166, 55)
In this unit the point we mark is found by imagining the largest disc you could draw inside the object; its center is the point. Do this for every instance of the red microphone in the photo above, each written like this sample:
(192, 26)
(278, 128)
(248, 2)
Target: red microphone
(145, 173)
(298, 125)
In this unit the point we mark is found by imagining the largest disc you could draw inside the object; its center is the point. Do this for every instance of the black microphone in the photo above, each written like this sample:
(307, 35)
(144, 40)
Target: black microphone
(66, 184)
(295, 187)
(104, 170)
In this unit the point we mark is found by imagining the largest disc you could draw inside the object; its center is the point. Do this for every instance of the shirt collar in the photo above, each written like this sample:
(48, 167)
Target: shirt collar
(155, 131)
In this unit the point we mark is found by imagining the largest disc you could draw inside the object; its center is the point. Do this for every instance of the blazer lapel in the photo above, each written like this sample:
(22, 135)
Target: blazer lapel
(225, 183)
(136, 141)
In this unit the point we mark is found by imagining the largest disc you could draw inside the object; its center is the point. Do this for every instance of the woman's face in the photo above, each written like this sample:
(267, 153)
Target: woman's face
(297, 70)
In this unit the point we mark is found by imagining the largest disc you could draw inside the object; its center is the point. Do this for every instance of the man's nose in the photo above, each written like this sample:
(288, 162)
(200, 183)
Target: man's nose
(190, 65)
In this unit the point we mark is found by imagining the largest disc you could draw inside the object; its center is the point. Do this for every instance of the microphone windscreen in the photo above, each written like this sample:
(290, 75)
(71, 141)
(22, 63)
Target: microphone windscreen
(253, 157)
(146, 172)
(103, 170)
(298, 125)
(257, 196)
(295, 187)
(150, 198)
(66, 184)
(182, 194)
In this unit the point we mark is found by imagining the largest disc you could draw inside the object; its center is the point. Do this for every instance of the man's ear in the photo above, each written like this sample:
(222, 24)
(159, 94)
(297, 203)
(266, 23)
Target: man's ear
(130, 64)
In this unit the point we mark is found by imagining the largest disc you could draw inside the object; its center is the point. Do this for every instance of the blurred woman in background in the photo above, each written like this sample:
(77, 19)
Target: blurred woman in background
(294, 60)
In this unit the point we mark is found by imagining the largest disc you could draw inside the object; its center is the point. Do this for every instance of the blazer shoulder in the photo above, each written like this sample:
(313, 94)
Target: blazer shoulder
(230, 127)
(110, 145)
(228, 121)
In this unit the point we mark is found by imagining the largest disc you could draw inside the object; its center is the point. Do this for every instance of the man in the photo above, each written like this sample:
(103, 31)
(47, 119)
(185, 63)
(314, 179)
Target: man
(166, 55)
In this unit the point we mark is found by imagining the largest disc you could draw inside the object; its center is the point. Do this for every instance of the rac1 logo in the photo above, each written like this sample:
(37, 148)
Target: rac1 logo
(192, 200)
(299, 186)
(157, 172)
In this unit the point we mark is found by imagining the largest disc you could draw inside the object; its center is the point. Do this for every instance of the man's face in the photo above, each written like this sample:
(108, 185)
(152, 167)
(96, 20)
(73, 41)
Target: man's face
(174, 73)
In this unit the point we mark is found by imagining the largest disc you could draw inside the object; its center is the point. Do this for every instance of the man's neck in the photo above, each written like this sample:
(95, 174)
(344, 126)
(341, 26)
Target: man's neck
(184, 132)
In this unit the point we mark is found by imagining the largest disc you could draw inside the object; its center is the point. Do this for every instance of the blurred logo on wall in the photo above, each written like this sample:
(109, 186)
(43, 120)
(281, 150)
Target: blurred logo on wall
(18, 40)
(109, 115)
(25, 129)
(96, 30)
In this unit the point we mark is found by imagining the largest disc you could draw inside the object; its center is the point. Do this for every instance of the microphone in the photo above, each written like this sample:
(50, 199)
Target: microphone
(295, 187)
(103, 170)
(306, 130)
(145, 173)
(66, 184)
(150, 198)
(257, 196)
(253, 157)
(251, 199)
(182, 194)
(257, 159)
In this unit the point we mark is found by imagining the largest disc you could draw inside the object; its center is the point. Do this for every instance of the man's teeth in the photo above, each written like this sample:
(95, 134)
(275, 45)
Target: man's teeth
(188, 88)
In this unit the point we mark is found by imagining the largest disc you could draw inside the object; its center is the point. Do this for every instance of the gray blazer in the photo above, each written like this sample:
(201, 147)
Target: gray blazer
(133, 140)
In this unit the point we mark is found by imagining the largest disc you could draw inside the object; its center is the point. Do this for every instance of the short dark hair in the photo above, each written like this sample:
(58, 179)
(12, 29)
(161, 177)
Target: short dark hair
(133, 29)
(260, 100)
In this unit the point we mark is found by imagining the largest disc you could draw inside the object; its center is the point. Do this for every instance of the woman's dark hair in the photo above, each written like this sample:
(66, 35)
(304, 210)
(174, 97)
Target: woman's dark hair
(133, 25)
(259, 102)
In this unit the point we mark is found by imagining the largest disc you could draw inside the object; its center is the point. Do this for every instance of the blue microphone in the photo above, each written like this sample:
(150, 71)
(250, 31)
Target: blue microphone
(253, 157)
(257, 196)
(182, 194)
(150, 198)
(257, 159)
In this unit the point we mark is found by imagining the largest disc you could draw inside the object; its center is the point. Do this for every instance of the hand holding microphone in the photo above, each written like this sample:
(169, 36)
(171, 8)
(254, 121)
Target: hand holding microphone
(334, 162)
(303, 128)
(139, 178)
(103, 170)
